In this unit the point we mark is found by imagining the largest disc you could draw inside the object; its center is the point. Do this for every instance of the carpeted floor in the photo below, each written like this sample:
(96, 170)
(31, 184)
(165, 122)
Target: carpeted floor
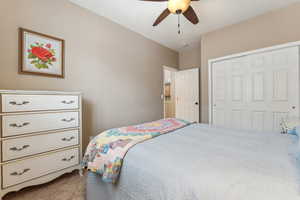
(67, 187)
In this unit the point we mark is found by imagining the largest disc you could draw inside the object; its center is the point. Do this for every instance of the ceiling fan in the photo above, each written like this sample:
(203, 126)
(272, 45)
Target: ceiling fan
(177, 7)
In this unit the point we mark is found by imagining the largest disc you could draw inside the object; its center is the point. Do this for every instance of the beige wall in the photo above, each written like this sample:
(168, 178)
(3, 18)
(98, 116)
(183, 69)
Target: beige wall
(190, 57)
(118, 71)
(273, 28)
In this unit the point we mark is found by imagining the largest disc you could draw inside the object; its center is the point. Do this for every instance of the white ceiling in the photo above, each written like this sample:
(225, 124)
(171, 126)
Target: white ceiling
(139, 16)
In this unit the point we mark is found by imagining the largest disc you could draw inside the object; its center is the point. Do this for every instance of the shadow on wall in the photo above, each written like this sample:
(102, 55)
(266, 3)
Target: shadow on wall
(87, 123)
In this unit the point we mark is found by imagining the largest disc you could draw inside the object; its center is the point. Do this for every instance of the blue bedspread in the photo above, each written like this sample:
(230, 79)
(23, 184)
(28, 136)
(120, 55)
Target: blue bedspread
(200, 162)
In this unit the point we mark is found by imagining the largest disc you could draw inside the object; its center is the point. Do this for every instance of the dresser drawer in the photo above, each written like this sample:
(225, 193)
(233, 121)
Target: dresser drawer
(22, 103)
(31, 123)
(21, 171)
(26, 146)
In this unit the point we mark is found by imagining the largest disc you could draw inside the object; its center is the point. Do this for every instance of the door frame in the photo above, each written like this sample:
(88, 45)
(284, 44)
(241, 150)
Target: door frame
(237, 55)
(172, 69)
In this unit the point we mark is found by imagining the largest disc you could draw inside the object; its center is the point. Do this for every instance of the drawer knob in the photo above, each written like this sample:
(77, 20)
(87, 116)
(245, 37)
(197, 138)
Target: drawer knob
(68, 159)
(19, 104)
(20, 173)
(67, 102)
(19, 125)
(68, 139)
(19, 149)
(68, 120)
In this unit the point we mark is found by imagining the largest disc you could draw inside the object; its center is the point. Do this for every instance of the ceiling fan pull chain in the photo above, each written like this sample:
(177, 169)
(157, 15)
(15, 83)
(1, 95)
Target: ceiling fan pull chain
(179, 25)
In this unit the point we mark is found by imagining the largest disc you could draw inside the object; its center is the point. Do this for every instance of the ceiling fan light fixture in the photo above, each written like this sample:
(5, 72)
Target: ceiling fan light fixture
(178, 5)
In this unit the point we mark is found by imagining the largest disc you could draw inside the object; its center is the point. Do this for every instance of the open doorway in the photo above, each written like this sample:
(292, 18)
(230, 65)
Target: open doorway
(169, 92)
(181, 94)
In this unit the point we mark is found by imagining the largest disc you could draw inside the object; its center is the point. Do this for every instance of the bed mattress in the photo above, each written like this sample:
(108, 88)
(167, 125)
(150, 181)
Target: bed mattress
(200, 162)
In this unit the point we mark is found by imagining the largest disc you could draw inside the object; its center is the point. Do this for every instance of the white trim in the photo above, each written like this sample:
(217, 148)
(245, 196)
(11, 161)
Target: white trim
(172, 69)
(276, 47)
(211, 61)
(209, 92)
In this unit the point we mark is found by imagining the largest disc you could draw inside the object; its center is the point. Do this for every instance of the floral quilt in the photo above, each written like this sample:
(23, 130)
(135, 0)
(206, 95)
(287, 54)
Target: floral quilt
(105, 153)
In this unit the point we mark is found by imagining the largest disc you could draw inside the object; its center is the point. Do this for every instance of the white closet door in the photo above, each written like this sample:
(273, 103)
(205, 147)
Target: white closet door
(257, 91)
(229, 91)
(219, 84)
(187, 95)
(274, 88)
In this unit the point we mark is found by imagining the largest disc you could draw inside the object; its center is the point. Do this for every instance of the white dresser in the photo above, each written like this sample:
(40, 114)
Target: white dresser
(41, 137)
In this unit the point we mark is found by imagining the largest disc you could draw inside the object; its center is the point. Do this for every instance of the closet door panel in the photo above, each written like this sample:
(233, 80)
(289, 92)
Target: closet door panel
(275, 86)
(219, 92)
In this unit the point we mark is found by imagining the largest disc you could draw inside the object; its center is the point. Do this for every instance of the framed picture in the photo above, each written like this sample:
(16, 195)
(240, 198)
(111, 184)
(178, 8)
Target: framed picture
(41, 54)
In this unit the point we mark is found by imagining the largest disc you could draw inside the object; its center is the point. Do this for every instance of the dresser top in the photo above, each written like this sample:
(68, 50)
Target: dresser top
(38, 92)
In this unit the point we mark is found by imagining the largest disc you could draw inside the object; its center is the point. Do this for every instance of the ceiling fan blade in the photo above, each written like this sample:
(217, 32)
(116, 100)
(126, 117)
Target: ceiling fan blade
(162, 16)
(191, 15)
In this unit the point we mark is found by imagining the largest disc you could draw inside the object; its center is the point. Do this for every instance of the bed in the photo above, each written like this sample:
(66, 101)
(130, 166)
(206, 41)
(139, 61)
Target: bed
(200, 162)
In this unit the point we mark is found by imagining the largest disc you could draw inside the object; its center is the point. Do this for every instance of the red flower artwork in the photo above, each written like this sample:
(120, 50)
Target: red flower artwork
(41, 53)
(42, 56)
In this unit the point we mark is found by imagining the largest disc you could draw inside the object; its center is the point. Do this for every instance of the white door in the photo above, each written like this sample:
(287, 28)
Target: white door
(256, 91)
(187, 95)
(229, 93)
